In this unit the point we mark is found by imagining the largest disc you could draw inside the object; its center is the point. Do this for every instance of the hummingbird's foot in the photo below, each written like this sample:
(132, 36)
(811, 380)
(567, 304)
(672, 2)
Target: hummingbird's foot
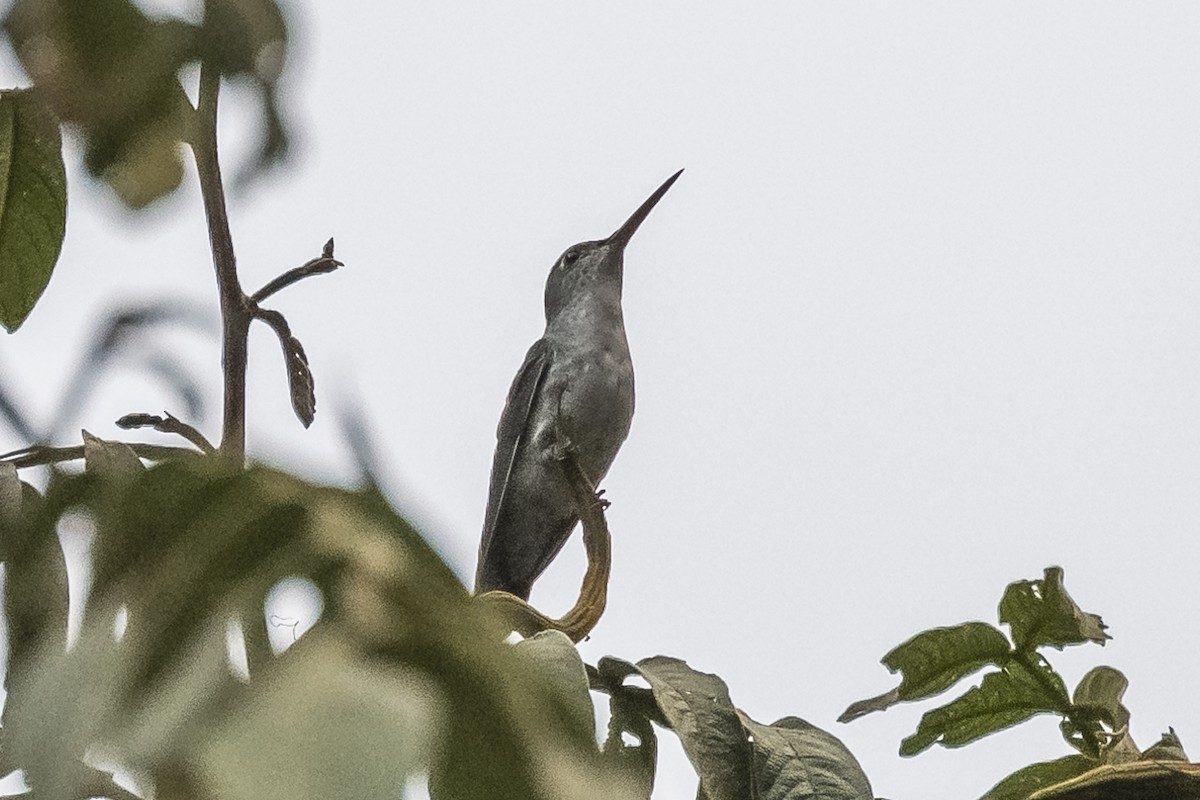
(601, 501)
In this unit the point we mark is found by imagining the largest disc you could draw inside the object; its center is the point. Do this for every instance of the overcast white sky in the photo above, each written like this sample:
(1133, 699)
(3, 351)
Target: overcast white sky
(919, 319)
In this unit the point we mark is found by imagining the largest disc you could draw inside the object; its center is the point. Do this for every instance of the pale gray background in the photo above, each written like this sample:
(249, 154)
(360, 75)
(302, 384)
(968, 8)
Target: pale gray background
(918, 320)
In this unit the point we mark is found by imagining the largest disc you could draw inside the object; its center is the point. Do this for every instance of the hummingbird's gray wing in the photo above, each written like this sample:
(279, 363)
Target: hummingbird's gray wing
(514, 426)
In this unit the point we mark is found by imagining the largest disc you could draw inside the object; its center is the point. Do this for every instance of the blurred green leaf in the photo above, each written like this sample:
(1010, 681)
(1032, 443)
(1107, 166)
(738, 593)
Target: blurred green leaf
(402, 673)
(33, 203)
(110, 460)
(554, 659)
(36, 605)
(36, 597)
(1001, 700)
(106, 67)
(11, 493)
(1030, 779)
(794, 760)
(245, 37)
(1040, 612)
(354, 729)
(248, 38)
(697, 707)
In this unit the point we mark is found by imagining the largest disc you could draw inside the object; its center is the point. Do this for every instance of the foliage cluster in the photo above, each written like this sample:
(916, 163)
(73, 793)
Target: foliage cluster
(404, 675)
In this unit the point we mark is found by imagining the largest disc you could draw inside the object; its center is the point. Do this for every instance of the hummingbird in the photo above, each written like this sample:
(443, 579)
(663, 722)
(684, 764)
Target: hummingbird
(573, 393)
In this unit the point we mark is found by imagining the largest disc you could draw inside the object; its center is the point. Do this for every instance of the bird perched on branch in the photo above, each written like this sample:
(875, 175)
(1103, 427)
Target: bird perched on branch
(573, 394)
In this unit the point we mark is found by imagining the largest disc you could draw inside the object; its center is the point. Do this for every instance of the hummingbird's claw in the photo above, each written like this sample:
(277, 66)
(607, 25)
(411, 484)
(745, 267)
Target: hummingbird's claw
(601, 501)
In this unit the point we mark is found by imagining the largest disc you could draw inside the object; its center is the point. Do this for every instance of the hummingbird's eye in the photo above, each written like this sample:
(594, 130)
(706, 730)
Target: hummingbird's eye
(570, 257)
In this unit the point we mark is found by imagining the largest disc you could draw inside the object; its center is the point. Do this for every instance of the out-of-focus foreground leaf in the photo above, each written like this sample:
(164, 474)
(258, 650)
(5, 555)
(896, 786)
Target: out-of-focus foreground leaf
(107, 68)
(113, 72)
(403, 673)
(248, 38)
(33, 203)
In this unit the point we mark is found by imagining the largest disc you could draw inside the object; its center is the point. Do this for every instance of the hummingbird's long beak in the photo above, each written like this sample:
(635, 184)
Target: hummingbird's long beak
(626, 231)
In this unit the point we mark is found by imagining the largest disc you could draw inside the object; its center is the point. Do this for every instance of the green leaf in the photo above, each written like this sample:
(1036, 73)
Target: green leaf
(1040, 612)
(1000, 701)
(637, 760)
(1103, 687)
(245, 37)
(353, 729)
(632, 709)
(794, 760)
(36, 604)
(110, 460)
(1098, 716)
(11, 493)
(558, 667)
(403, 671)
(697, 707)
(36, 596)
(33, 203)
(249, 38)
(933, 661)
(861, 708)
(1138, 780)
(1027, 780)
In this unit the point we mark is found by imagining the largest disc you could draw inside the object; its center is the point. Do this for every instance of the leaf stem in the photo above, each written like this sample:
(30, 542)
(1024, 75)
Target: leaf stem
(1066, 708)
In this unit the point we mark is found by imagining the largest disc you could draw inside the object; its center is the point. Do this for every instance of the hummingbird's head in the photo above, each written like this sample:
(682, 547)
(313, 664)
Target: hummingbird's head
(596, 267)
(584, 268)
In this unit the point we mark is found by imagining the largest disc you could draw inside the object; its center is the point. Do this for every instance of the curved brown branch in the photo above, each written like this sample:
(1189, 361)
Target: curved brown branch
(593, 594)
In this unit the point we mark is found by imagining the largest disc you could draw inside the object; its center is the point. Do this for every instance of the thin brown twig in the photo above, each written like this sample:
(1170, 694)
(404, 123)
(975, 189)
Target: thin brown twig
(317, 266)
(168, 424)
(41, 455)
